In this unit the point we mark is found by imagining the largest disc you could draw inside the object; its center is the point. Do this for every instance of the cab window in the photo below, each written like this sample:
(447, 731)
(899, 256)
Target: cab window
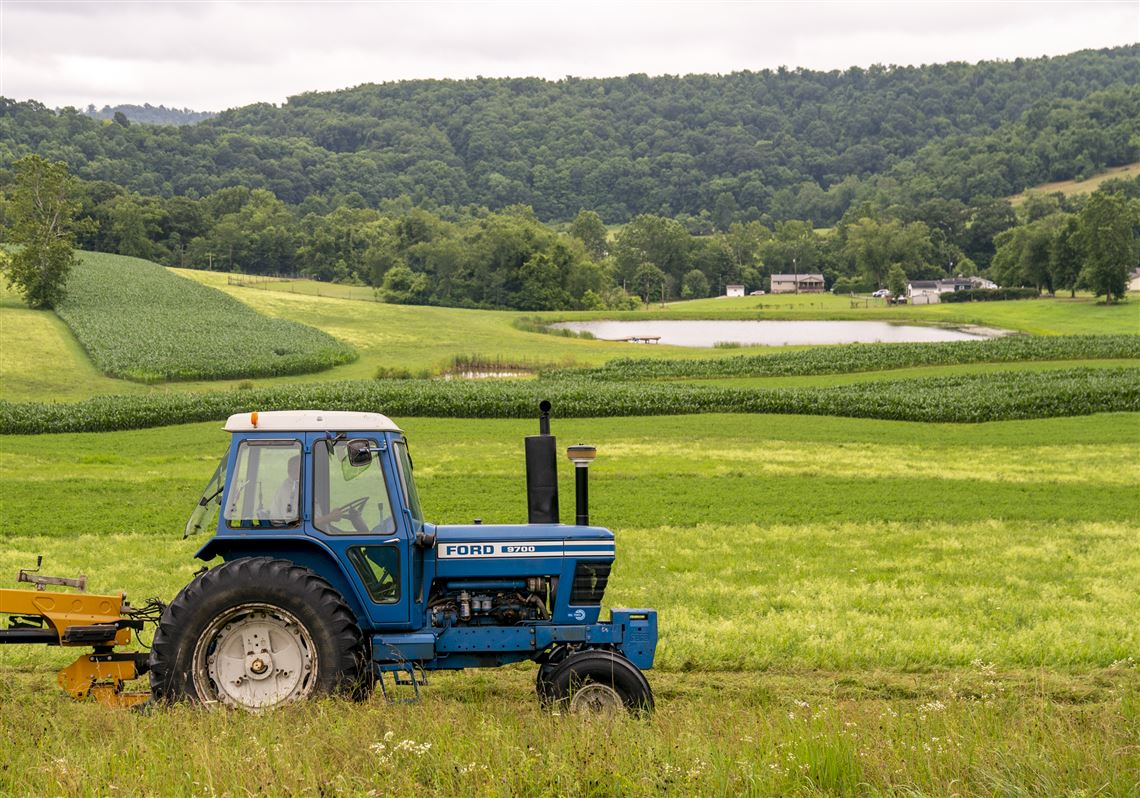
(408, 483)
(379, 569)
(266, 488)
(349, 499)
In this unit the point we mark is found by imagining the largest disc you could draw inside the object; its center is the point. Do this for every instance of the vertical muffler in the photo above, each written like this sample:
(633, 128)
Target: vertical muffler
(542, 472)
(581, 456)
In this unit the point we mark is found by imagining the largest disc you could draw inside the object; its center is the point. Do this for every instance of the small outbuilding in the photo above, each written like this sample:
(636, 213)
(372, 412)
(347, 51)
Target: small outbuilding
(929, 292)
(734, 290)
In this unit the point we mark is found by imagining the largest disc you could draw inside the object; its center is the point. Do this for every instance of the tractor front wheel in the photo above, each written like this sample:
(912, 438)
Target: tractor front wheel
(254, 634)
(597, 681)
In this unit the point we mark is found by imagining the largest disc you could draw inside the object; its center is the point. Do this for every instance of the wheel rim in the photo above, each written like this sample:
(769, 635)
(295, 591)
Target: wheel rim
(255, 656)
(594, 697)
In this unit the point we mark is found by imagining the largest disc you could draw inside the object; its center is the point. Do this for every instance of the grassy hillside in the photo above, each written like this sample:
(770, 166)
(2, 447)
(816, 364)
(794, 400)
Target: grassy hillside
(40, 356)
(876, 607)
(1072, 187)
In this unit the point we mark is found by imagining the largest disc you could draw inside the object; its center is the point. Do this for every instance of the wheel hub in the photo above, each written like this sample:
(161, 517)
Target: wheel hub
(255, 657)
(596, 698)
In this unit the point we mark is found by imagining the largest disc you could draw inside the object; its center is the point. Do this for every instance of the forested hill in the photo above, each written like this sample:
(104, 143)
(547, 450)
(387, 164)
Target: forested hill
(791, 144)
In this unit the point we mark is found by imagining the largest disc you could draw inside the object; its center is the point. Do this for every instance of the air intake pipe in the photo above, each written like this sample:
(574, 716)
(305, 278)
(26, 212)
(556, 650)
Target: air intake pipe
(542, 472)
(581, 456)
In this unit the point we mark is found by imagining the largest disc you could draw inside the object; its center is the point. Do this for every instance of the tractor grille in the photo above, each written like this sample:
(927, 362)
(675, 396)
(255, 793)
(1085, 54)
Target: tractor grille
(590, 582)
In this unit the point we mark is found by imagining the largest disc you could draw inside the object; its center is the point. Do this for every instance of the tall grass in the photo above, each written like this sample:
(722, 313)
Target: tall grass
(482, 734)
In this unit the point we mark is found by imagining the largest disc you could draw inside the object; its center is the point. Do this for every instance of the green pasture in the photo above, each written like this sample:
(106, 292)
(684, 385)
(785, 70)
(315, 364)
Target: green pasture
(1059, 315)
(847, 607)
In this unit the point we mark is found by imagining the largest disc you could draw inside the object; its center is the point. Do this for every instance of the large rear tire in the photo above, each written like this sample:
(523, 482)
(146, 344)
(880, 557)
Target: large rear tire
(598, 681)
(257, 633)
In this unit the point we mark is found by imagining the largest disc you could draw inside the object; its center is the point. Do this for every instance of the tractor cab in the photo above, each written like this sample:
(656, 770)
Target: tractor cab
(334, 487)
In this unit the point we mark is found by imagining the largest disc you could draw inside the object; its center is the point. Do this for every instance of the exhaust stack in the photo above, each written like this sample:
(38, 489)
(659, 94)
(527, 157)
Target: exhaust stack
(542, 472)
(581, 456)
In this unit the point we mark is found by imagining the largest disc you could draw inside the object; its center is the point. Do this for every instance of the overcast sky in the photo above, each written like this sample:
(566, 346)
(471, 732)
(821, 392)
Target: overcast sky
(215, 55)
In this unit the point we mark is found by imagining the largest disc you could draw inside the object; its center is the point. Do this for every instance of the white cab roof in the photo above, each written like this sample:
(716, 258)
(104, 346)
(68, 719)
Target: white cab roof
(309, 421)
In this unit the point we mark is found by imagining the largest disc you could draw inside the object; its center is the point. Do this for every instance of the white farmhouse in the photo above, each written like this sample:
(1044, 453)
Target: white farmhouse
(787, 283)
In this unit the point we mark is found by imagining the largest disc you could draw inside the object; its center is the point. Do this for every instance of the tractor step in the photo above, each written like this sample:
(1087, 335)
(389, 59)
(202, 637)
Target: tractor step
(404, 674)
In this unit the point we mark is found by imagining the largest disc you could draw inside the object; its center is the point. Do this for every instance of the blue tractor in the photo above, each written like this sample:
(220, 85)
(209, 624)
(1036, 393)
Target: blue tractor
(333, 581)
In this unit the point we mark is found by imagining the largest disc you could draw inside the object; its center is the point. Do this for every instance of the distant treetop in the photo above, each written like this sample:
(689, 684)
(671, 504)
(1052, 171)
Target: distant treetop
(149, 114)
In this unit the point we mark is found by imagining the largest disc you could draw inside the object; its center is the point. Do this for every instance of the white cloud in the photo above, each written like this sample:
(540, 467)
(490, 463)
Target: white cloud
(213, 55)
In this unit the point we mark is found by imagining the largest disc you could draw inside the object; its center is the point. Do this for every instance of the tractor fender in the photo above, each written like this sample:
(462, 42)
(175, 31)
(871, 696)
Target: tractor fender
(307, 552)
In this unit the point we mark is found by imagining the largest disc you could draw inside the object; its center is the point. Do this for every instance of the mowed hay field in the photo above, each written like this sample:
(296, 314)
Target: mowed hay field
(848, 607)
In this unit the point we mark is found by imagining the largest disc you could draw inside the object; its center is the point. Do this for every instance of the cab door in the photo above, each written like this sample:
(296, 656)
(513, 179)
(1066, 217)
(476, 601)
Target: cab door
(355, 511)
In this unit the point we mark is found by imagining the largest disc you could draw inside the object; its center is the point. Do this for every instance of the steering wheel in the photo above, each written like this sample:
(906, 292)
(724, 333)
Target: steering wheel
(354, 511)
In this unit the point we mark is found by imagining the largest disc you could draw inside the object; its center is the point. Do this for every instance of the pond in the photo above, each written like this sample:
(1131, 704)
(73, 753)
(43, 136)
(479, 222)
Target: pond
(771, 333)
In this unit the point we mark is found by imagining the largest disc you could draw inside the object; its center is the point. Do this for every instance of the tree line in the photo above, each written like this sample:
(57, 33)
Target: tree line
(769, 146)
(479, 258)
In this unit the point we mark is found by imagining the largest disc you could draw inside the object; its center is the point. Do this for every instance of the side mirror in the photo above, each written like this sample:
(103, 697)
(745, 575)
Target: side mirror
(359, 453)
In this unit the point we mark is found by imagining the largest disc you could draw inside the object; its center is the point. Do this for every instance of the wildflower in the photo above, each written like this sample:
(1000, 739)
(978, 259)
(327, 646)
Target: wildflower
(931, 706)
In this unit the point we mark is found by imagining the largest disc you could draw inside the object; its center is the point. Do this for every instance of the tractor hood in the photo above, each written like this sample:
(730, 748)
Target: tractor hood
(578, 558)
(478, 541)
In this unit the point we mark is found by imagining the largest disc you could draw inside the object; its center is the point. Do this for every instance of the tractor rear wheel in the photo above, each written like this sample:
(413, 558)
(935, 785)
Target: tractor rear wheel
(599, 681)
(256, 633)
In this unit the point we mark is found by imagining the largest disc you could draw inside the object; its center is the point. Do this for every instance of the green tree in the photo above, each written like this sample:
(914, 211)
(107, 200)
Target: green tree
(665, 243)
(694, 285)
(1107, 244)
(589, 228)
(742, 243)
(875, 245)
(1006, 264)
(542, 285)
(402, 285)
(988, 221)
(794, 249)
(129, 227)
(1064, 257)
(42, 220)
(724, 211)
(1038, 247)
(649, 280)
(896, 280)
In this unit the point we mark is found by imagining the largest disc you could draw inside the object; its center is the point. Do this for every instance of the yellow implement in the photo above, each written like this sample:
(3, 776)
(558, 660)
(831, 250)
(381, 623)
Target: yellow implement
(101, 622)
